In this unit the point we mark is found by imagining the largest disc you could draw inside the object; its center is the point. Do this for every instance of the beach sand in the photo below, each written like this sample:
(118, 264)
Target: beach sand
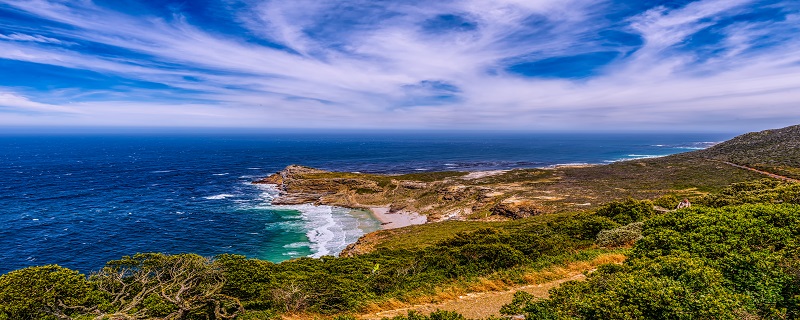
(398, 219)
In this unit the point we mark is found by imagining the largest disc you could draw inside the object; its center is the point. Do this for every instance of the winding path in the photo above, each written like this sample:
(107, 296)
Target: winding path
(478, 305)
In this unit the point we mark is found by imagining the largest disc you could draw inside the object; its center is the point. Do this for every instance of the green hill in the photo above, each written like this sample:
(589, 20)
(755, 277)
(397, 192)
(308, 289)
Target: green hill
(776, 151)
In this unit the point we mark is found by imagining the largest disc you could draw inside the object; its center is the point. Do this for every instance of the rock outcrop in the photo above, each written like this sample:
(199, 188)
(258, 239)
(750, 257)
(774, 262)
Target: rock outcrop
(517, 209)
(300, 185)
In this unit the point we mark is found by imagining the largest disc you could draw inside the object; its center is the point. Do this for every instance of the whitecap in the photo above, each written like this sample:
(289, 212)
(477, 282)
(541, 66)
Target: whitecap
(297, 245)
(325, 231)
(161, 171)
(254, 168)
(643, 156)
(220, 196)
(328, 229)
(421, 169)
(220, 174)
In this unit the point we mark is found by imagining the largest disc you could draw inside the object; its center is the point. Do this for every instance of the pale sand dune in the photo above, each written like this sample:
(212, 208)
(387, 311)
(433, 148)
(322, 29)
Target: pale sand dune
(396, 220)
(483, 174)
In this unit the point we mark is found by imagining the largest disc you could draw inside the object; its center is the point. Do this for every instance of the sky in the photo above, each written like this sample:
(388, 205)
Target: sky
(539, 65)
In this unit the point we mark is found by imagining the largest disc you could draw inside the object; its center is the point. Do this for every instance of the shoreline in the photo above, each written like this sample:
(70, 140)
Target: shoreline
(396, 220)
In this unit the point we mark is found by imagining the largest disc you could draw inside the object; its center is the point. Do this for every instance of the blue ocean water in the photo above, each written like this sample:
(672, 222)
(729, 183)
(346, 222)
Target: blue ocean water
(81, 200)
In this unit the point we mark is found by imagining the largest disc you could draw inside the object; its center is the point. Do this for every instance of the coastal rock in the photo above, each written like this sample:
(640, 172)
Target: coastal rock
(455, 193)
(301, 185)
(363, 245)
(296, 198)
(290, 172)
(516, 209)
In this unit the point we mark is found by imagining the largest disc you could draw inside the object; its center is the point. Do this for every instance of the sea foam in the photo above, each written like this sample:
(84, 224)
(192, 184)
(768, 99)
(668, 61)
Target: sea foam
(328, 229)
(219, 196)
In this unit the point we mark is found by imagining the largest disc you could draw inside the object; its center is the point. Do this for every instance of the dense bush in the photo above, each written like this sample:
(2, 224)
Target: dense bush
(761, 191)
(47, 292)
(628, 211)
(151, 285)
(583, 226)
(619, 237)
(436, 315)
(702, 263)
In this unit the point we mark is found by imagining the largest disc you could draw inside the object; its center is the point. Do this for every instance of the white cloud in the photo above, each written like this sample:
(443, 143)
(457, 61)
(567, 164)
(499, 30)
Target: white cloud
(358, 78)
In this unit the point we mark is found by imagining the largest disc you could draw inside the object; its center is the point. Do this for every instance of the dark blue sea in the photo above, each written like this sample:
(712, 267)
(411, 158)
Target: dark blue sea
(79, 200)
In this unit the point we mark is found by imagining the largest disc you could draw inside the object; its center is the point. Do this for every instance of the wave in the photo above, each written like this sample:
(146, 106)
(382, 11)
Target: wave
(296, 245)
(325, 234)
(328, 229)
(219, 196)
(643, 156)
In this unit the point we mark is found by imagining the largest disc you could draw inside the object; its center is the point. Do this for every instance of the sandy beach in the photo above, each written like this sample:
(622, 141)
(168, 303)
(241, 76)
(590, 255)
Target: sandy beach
(396, 220)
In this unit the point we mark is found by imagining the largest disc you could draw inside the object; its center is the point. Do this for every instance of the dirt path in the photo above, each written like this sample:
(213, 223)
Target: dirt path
(761, 172)
(478, 305)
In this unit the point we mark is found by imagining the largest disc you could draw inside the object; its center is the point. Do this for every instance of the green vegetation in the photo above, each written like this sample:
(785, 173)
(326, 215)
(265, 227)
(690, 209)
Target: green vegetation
(732, 262)
(761, 191)
(620, 237)
(776, 151)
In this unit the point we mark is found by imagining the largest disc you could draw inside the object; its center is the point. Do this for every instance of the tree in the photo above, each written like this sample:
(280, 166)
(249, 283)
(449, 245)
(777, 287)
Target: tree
(166, 286)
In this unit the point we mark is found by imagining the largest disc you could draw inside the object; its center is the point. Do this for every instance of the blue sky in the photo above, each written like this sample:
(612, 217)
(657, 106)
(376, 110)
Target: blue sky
(716, 65)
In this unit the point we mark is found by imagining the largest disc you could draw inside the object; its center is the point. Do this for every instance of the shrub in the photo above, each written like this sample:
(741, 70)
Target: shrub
(628, 211)
(620, 237)
(171, 286)
(46, 292)
(702, 263)
(584, 226)
(436, 315)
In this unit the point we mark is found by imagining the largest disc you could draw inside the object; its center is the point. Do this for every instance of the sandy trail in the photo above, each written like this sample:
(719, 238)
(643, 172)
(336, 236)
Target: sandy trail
(478, 305)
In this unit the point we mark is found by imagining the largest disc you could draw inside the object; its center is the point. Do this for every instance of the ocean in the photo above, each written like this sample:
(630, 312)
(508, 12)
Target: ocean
(79, 200)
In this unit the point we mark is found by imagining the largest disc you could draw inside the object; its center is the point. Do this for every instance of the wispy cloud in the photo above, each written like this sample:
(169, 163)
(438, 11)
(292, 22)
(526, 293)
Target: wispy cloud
(27, 37)
(537, 65)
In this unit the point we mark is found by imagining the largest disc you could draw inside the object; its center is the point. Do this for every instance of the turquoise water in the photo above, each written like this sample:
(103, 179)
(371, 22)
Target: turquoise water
(81, 200)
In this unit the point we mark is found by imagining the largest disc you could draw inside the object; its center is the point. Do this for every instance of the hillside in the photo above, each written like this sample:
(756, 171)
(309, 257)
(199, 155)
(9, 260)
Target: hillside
(776, 151)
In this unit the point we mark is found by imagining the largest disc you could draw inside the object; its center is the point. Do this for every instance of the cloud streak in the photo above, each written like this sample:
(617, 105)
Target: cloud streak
(727, 65)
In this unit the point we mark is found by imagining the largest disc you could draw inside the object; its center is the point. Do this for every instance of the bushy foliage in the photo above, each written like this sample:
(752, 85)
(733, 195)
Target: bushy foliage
(584, 226)
(619, 237)
(702, 263)
(150, 285)
(333, 285)
(760, 191)
(46, 292)
(436, 315)
(628, 211)
(184, 286)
